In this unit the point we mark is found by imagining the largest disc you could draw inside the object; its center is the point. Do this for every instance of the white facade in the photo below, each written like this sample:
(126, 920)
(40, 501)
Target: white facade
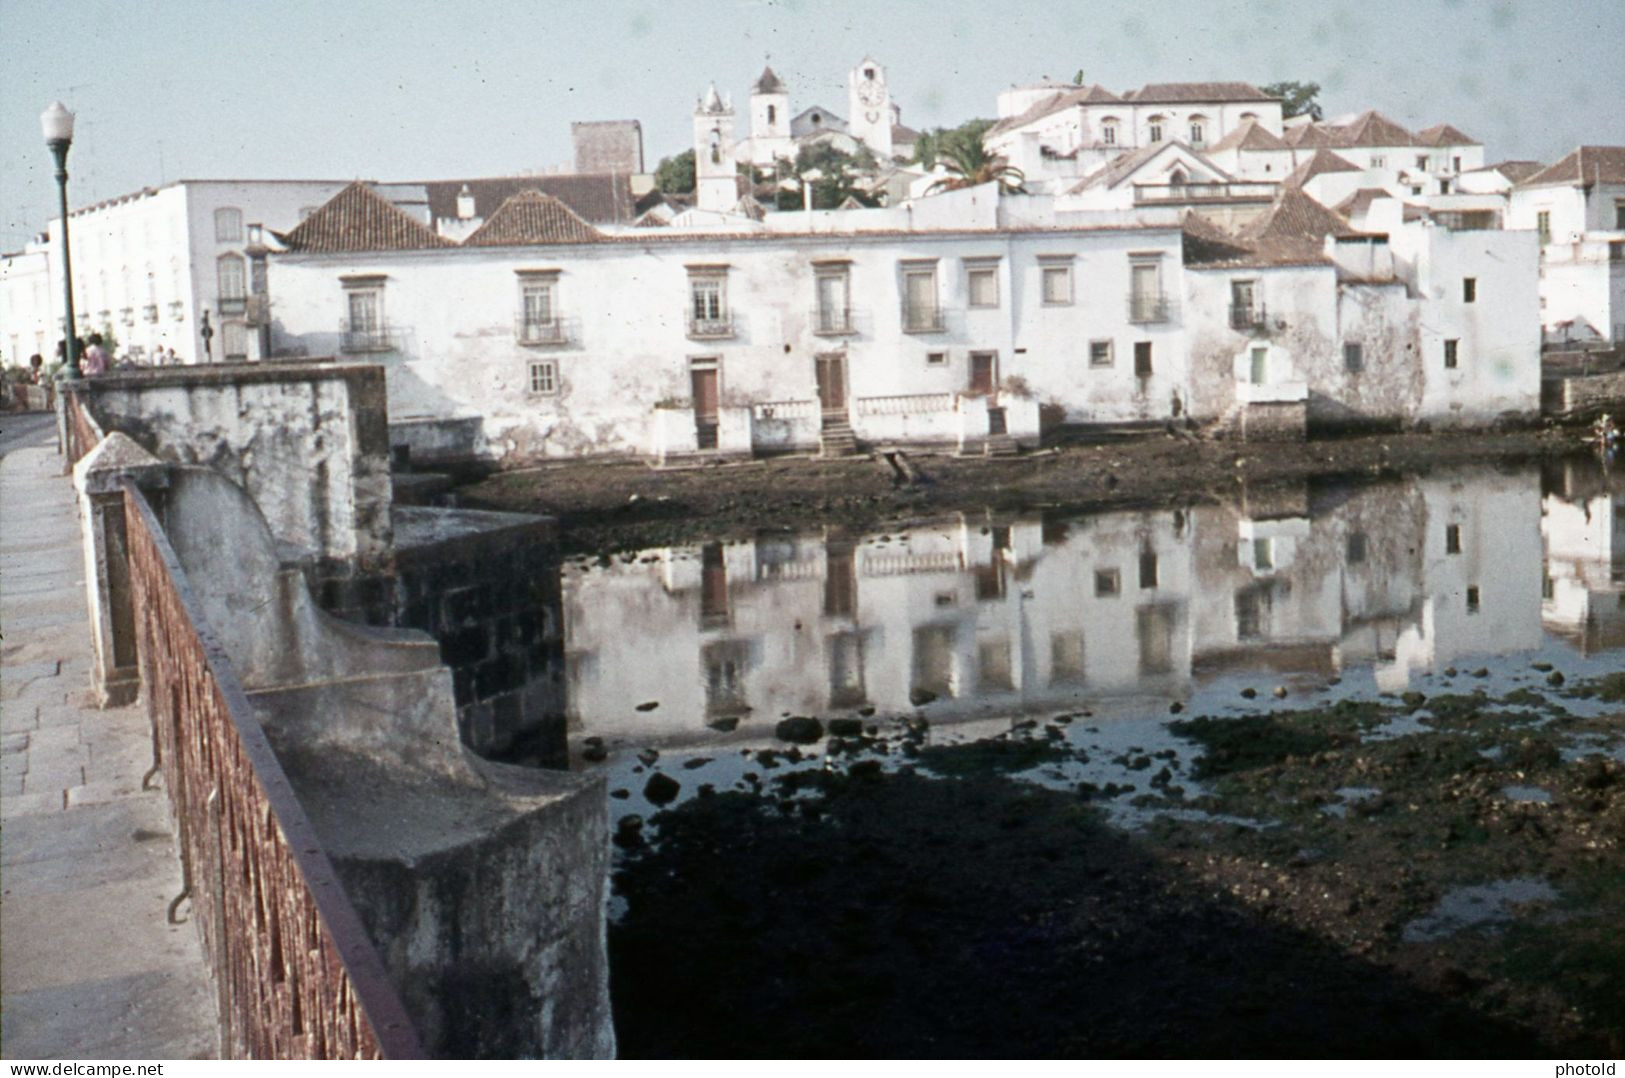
(30, 309)
(1578, 212)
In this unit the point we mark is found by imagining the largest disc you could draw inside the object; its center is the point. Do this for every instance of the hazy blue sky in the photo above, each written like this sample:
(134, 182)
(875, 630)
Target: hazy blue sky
(387, 89)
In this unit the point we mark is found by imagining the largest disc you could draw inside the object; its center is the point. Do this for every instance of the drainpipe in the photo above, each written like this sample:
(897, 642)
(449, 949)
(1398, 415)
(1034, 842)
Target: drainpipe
(806, 201)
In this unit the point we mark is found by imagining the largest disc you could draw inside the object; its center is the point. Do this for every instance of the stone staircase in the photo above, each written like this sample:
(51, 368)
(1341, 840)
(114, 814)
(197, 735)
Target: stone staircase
(837, 439)
(1000, 445)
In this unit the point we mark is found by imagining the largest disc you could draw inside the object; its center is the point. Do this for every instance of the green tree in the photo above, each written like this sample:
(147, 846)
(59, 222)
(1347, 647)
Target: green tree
(835, 176)
(937, 143)
(969, 164)
(675, 175)
(1297, 98)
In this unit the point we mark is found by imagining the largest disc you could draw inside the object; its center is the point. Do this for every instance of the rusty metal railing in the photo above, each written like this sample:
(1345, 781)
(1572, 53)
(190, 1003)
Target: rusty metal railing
(296, 973)
(82, 432)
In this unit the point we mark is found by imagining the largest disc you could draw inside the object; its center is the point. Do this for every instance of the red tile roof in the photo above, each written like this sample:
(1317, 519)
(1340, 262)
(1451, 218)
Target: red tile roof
(1174, 93)
(1516, 171)
(599, 197)
(1322, 162)
(1371, 128)
(1061, 99)
(1292, 232)
(768, 83)
(1249, 135)
(1585, 165)
(531, 217)
(1444, 135)
(360, 219)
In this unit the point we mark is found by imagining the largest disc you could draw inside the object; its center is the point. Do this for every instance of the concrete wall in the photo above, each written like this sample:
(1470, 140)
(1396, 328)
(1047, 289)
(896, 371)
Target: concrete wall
(1583, 394)
(307, 441)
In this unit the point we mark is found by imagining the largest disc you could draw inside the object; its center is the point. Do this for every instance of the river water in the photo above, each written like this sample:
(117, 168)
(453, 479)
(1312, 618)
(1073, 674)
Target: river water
(684, 660)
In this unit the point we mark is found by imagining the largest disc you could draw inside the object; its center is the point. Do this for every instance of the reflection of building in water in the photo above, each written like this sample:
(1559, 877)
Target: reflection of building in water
(1583, 595)
(982, 615)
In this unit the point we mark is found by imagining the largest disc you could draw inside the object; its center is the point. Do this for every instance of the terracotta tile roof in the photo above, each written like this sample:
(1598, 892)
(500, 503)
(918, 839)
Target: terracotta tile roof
(1444, 135)
(1360, 201)
(1371, 128)
(1585, 165)
(1291, 232)
(1249, 135)
(600, 197)
(360, 219)
(768, 83)
(1322, 162)
(1061, 99)
(901, 133)
(1112, 172)
(531, 217)
(1173, 93)
(1310, 134)
(1516, 171)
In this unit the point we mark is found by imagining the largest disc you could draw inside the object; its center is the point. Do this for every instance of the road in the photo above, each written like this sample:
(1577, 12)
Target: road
(21, 429)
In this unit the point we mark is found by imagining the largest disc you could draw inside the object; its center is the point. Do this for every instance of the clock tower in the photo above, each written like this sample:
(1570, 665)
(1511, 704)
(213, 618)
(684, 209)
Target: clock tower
(871, 117)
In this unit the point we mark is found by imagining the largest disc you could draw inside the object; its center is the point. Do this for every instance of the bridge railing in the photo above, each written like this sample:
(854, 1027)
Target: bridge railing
(296, 973)
(81, 432)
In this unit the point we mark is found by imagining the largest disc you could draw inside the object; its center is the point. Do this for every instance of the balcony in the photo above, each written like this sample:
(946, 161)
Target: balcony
(127, 315)
(257, 312)
(177, 311)
(1144, 310)
(150, 312)
(923, 319)
(541, 332)
(368, 339)
(832, 322)
(1146, 194)
(717, 328)
(1248, 317)
(233, 304)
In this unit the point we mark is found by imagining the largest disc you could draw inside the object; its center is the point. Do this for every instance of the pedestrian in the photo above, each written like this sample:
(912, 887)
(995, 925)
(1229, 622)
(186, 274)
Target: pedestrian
(95, 358)
(36, 369)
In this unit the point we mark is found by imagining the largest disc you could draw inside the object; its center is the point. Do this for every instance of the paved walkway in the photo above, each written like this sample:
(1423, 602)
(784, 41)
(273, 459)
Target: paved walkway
(89, 967)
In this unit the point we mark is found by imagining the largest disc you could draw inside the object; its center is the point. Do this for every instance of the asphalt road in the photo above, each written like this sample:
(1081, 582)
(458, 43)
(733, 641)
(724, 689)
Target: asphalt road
(22, 429)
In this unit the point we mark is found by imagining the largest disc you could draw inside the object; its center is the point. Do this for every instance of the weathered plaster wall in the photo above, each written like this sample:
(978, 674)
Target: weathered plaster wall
(308, 442)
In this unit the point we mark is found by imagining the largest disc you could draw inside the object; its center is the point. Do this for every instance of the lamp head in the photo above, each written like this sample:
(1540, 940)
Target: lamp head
(57, 123)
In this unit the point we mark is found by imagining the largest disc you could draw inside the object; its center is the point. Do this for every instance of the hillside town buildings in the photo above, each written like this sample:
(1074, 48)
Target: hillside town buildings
(1181, 253)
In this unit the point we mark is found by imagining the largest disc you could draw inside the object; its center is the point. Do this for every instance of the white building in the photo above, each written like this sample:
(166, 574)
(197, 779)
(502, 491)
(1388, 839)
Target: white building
(873, 121)
(30, 309)
(1577, 207)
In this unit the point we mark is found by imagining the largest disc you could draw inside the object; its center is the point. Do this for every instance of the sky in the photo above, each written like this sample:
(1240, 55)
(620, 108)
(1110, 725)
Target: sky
(408, 90)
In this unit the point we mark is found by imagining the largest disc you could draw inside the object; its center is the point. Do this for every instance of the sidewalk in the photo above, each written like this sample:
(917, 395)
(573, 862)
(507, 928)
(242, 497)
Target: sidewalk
(89, 967)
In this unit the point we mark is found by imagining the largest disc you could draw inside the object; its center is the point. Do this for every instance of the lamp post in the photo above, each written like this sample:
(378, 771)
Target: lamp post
(57, 124)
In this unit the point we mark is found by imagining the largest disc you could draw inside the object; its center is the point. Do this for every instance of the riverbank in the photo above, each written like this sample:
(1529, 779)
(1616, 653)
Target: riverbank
(604, 508)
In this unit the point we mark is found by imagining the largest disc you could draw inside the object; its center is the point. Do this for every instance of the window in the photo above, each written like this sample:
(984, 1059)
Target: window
(1353, 357)
(364, 329)
(1450, 354)
(1263, 553)
(1108, 583)
(993, 669)
(1198, 130)
(982, 284)
(1469, 289)
(538, 309)
(1142, 359)
(834, 313)
(1146, 302)
(1452, 539)
(1422, 161)
(1456, 164)
(936, 359)
(1154, 129)
(1355, 548)
(1472, 599)
(234, 342)
(1100, 353)
(1619, 215)
(1057, 283)
(772, 114)
(231, 274)
(921, 313)
(543, 377)
(1258, 363)
(1108, 131)
(1148, 569)
(1245, 310)
(708, 314)
(228, 225)
(1066, 658)
(1543, 225)
(1379, 161)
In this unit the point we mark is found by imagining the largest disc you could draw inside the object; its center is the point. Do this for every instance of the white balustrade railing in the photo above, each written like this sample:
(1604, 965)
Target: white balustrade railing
(906, 404)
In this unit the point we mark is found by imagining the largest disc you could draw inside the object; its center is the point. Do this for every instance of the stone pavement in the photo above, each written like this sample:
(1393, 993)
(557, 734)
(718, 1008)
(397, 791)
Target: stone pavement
(89, 966)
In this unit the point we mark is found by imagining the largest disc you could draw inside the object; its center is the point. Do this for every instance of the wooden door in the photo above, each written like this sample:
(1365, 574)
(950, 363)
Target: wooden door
(705, 394)
(831, 374)
(984, 372)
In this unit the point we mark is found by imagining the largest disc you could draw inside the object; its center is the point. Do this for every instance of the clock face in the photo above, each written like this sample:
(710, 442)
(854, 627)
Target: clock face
(872, 116)
(870, 92)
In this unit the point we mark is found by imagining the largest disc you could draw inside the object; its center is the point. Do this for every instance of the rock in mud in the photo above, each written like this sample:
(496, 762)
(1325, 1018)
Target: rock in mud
(661, 789)
(726, 725)
(1248, 693)
(648, 705)
(846, 727)
(697, 762)
(799, 729)
(1555, 678)
(921, 697)
(647, 757)
(629, 833)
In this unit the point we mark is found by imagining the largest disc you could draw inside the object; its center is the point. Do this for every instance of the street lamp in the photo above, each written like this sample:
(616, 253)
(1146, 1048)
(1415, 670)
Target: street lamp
(57, 124)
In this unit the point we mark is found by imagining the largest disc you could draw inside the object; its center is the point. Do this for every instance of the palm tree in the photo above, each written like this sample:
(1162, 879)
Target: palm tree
(970, 165)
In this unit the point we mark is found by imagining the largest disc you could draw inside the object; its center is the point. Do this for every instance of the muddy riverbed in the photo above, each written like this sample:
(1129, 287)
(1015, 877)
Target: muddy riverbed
(1154, 748)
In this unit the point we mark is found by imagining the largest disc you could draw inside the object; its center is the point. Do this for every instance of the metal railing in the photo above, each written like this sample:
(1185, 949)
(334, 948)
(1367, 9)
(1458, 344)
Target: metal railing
(233, 304)
(1247, 316)
(369, 339)
(720, 327)
(832, 322)
(1145, 309)
(1186, 192)
(296, 973)
(923, 319)
(533, 331)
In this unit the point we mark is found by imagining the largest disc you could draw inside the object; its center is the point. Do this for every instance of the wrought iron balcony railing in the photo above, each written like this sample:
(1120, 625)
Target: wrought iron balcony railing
(833, 322)
(923, 319)
(1247, 316)
(720, 327)
(541, 331)
(367, 339)
(1147, 309)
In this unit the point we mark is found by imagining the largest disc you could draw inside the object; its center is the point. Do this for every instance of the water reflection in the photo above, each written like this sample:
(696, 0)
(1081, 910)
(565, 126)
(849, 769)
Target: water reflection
(979, 615)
